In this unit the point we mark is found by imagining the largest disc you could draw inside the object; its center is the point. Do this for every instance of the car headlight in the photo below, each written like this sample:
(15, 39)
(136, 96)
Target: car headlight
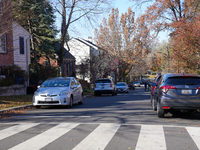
(63, 93)
(36, 93)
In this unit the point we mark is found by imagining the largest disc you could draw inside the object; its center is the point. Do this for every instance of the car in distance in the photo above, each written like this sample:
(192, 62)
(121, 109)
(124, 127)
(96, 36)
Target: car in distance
(178, 92)
(58, 91)
(137, 83)
(122, 87)
(105, 86)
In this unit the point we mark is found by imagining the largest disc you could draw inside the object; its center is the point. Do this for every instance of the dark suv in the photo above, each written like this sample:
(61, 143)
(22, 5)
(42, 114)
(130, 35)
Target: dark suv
(178, 92)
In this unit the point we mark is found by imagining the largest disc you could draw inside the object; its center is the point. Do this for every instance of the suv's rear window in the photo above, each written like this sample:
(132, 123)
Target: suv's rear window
(183, 80)
(103, 81)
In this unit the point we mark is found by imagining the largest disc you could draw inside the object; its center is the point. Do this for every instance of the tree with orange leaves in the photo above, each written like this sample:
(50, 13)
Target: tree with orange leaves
(181, 17)
(121, 38)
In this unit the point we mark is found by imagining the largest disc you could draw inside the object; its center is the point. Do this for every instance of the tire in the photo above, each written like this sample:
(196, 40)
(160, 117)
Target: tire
(71, 102)
(160, 111)
(95, 94)
(81, 101)
(154, 106)
(113, 93)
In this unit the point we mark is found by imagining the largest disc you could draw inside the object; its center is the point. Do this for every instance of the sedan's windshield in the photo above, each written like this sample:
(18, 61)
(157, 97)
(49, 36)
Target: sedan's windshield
(56, 83)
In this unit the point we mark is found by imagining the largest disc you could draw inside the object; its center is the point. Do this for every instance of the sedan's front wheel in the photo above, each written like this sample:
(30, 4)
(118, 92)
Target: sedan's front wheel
(71, 102)
(81, 101)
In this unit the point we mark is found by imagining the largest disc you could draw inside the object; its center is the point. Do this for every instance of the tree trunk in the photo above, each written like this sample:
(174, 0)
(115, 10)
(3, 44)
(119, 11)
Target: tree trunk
(33, 46)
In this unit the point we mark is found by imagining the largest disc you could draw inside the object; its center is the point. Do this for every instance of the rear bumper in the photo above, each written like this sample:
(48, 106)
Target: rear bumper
(192, 104)
(104, 91)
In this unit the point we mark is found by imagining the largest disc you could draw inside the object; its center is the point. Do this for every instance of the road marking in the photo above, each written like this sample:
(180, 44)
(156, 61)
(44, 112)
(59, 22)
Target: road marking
(151, 137)
(195, 134)
(15, 129)
(99, 138)
(46, 137)
(51, 116)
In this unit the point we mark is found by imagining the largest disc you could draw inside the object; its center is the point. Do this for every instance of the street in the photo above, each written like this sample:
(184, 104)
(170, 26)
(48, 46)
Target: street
(121, 122)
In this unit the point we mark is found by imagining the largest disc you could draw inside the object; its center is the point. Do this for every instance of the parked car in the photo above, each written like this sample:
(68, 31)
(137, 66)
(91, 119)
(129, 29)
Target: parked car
(153, 91)
(131, 86)
(122, 87)
(105, 86)
(178, 92)
(137, 83)
(58, 91)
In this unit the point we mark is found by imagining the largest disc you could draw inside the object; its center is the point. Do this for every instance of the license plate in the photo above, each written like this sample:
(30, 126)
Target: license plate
(48, 99)
(186, 91)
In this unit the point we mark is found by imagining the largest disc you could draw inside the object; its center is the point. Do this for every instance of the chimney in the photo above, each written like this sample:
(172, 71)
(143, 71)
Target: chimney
(90, 38)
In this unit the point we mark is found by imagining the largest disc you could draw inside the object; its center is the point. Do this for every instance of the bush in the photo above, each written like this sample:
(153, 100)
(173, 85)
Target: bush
(13, 75)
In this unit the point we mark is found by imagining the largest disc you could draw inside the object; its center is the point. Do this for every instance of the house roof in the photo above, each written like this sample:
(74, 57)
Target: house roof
(86, 42)
(67, 54)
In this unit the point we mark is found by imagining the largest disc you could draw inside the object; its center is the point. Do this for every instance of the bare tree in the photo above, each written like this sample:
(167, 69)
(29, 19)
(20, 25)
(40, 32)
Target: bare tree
(73, 10)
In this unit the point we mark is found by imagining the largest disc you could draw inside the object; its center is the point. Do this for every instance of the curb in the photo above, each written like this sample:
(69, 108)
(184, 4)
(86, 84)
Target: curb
(13, 108)
(24, 106)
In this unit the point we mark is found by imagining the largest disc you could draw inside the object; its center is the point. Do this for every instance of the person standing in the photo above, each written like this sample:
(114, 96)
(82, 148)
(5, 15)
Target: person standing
(145, 86)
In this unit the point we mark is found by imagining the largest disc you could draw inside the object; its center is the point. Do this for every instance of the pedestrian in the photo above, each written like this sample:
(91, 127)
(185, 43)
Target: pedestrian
(145, 86)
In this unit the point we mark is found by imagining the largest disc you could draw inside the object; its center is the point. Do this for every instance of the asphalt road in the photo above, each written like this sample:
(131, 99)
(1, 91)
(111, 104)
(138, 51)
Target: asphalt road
(125, 121)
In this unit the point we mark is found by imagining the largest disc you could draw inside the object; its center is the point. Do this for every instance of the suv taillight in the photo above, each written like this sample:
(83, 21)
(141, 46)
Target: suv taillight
(166, 88)
(110, 84)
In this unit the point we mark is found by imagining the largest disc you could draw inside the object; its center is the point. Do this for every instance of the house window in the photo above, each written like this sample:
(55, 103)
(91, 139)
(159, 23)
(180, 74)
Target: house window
(21, 45)
(47, 63)
(71, 67)
(0, 6)
(3, 43)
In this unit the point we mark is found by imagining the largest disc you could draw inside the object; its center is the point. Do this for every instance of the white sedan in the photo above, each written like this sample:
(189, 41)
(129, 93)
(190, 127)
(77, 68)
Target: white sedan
(58, 91)
(122, 87)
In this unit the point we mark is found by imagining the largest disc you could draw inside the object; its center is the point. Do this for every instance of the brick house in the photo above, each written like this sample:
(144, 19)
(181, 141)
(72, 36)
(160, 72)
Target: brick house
(68, 58)
(14, 41)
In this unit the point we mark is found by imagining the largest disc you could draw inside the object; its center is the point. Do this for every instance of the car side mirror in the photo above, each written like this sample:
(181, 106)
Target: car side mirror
(74, 86)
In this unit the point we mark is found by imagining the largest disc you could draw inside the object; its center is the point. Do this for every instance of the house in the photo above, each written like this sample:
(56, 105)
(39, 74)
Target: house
(84, 52)
(68, 59)
(14, 41)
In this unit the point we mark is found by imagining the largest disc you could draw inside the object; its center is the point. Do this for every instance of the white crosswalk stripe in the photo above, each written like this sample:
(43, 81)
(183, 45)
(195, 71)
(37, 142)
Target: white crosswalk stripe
(99, 138)
(148, 137)
(195, 134)
(45, 138)
(151, 137)
(15, 129)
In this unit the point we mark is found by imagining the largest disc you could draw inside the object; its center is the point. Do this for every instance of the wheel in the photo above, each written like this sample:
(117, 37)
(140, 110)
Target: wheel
(37, 107)
(160, 111)
(81, 101)
(71, 102)
(113, 93)
(154, 106)
(95, 94)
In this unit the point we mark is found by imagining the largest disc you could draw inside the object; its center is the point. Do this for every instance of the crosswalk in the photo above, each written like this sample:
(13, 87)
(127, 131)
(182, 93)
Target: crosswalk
(92, 136)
